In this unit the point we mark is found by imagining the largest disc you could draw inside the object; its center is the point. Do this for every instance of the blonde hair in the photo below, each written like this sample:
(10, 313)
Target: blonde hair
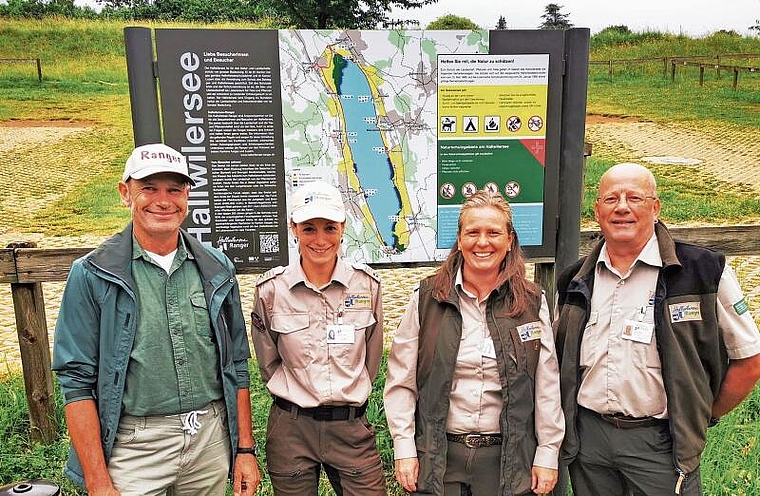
(512, 268)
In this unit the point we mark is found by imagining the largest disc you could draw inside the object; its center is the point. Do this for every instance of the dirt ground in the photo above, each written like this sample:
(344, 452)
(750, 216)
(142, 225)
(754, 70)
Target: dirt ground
(730, 155)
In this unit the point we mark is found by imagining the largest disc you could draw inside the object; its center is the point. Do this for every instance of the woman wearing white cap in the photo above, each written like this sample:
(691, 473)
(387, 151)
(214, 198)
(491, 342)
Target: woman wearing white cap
(318, 335)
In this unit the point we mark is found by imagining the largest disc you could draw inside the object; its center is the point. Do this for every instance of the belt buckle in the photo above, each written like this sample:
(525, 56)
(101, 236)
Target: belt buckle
(470, 440)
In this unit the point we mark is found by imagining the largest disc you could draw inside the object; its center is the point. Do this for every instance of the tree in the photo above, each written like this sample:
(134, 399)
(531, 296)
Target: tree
(450, 21)
(502, 23)
(347, 14)
(554, 19)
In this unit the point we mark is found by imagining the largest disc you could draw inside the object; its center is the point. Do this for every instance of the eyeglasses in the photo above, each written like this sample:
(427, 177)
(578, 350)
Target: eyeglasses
(630, 198)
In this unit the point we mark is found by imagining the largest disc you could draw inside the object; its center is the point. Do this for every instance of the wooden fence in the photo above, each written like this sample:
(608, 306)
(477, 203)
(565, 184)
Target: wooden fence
(24, 61)
(26, 267)
(669, 64)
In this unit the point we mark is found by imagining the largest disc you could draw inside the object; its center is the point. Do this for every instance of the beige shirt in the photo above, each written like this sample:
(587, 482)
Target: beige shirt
(319, 346)
(622, 374)
(475, 398)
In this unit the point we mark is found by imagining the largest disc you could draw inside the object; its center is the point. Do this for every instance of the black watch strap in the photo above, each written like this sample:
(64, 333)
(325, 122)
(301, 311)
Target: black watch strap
(254, 450)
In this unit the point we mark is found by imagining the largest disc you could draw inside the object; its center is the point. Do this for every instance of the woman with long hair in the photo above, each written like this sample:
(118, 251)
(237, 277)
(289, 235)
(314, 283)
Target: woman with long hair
(472, 394)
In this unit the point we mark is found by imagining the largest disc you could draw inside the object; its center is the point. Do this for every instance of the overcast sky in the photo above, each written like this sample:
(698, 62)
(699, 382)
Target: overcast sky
(692, 17)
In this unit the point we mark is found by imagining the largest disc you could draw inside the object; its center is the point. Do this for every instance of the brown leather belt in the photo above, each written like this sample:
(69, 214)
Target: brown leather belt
(475, 440)
(621, 421)
(324, 412)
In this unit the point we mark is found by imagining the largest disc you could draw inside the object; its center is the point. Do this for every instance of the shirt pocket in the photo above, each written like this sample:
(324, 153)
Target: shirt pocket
(295, 341)
(355, 355)
(200, 314)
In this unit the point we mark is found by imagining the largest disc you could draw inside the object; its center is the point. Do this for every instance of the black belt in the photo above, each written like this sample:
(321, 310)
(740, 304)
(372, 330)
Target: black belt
(323, 412)
(475, 440)
(627, 422)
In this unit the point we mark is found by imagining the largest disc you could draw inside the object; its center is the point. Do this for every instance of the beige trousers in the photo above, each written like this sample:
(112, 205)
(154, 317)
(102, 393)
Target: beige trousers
(155, 456)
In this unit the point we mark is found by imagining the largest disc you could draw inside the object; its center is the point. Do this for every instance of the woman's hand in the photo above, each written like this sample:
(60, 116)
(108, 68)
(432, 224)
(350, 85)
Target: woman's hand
(543, 479)
(407, 470)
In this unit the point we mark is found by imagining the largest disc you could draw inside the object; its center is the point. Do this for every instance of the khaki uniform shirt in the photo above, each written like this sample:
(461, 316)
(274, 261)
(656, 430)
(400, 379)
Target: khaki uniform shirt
(319, 346)
(621, 374)
(475, 398)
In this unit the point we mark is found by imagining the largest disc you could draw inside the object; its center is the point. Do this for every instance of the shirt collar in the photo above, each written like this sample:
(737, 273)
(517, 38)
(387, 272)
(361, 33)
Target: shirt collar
(182, 251)
(649, 255)
(295, 275)
(459, 285)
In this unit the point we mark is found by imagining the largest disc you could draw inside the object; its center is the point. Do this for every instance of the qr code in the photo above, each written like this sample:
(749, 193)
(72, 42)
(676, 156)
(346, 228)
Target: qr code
(269, 243)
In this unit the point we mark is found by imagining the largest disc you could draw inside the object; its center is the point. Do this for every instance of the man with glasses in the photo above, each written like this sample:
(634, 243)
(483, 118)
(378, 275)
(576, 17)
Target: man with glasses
(655, 342)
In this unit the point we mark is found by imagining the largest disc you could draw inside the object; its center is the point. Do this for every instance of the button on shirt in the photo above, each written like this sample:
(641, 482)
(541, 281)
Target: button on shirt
(174, 366)
(291, 339)
(622, 375)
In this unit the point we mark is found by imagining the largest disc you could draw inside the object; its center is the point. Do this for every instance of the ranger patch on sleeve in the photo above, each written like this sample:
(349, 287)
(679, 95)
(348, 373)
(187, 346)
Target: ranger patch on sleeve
(741, 306)
(257, 322)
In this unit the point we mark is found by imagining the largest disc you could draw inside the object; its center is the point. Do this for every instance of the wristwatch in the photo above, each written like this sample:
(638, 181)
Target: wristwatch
(254, 450)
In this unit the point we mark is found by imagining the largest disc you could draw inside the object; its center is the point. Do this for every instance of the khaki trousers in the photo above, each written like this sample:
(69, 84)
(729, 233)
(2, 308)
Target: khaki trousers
(155, 456)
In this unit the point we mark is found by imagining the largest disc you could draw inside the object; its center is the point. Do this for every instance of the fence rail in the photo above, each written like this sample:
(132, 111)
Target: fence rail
(23, 61)
(701, 61)
(26, 267)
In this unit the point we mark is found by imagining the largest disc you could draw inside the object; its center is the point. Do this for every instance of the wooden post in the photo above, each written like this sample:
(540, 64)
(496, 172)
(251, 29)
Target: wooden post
(31, 326)
(39, 70)
(665, 66)
(543, 274)
(672, 71)
(717, 65)
(701, 75)
(736, 78)
(609, 70)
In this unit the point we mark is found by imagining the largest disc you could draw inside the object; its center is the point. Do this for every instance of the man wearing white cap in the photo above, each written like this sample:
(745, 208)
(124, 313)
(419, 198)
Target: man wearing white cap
(318, 335)
(151, 351)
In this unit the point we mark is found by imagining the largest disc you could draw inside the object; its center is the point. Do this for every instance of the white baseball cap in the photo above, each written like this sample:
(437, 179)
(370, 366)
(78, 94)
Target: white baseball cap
(317, 200)
(155, 158)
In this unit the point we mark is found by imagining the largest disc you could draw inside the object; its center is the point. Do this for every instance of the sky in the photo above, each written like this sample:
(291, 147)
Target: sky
(695, 18)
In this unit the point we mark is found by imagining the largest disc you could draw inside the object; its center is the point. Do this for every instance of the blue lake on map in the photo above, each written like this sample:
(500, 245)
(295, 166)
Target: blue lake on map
(371, 161)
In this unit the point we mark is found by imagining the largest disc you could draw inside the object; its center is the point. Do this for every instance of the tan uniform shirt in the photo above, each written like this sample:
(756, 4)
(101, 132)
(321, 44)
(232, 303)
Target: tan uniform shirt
(623, 374)
(319, 346)
(475, 398)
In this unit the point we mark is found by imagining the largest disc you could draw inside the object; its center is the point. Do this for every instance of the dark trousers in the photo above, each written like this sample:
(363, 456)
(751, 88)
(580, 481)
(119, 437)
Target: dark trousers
(472, 471)
(625, 462)
(297, 446)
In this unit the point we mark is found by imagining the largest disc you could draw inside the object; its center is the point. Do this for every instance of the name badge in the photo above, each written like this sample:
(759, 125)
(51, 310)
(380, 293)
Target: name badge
(638, 331)
(340, 334)
(529, 331)
(488, 350)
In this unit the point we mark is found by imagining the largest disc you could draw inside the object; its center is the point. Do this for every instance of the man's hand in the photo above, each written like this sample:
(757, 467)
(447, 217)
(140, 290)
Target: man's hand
(543, 479)
(407, 471)
(246, 475)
